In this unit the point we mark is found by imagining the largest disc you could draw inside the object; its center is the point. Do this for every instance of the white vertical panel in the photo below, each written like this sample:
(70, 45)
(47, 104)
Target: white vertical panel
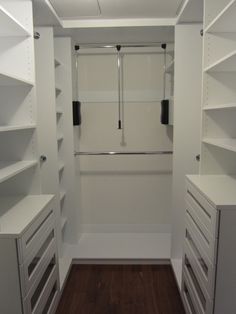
(187, 112)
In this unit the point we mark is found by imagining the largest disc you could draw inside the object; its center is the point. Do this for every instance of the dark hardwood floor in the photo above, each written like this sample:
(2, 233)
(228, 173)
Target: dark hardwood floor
(120, 289)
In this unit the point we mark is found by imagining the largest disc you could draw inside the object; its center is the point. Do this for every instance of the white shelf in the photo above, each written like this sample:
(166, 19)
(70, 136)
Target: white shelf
(219, 107)
(59, 111)
(225, 64)
(218, 189)
(18, 212)
(62, 195)
(60, 137)
(61, 166)
(58, 90)
(63, 222)
(9, 26)
(225, 20)
(170, 68)
(8, 79)
(11, 169)
(57, 63)
(226, 143)
(10, 128)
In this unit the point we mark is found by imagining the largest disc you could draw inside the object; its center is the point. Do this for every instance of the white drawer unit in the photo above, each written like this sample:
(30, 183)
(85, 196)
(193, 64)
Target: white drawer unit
(30, 265)
(209, 259)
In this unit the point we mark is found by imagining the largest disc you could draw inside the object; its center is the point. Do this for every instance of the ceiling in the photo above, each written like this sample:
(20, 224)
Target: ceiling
(112, 9)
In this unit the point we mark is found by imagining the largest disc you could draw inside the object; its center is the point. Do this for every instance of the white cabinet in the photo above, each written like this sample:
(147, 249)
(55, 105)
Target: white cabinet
(29, 260)
(208, 278)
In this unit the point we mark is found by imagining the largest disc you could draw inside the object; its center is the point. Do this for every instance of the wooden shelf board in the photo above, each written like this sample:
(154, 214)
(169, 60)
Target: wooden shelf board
(219, 107)
(9, 128)
(225, 143)
(7, 79)
(17, 213)
(218, 189)
(11, 169)
(9, 26)
(224, 21)
(225, 64)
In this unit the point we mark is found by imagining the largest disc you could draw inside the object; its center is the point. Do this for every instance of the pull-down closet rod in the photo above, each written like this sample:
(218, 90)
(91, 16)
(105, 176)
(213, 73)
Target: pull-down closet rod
(148, 45)
(160, 152)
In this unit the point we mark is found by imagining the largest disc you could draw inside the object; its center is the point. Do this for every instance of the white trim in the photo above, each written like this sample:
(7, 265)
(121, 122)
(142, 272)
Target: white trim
(126, 228)
(121, 262)
(90, 23)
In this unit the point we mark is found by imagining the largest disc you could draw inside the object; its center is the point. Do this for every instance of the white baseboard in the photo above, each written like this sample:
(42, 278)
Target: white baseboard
(126, 228)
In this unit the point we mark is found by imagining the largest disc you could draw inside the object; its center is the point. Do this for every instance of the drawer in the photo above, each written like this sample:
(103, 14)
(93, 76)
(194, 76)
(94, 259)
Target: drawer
(45, 290)
(193, 300)
(30, 270)
(207, 243)
(205, 213)
(36, 234)
(203, 268)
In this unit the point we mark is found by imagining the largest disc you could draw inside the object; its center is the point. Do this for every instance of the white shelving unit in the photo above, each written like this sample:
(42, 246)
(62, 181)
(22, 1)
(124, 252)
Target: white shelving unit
(66, 170)
(219, 92)
(18, 134)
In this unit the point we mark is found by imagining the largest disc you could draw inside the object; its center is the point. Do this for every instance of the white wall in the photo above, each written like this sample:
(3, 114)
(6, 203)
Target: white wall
(187, 117)
(124, 193)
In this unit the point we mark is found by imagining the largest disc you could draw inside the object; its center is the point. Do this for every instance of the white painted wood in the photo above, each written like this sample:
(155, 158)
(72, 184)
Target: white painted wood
(9, 302)
(17, 128)
(219, 190)
(187, 112)
(177, 268)
(11, 168)
(226, 143)
(225, 64)
(18, 212)
(7, 79)
(10, 26)
(191, 12)
(224, 21)
(63, 78)
(44, 14)
(225, 279)
(219, 107)
(121, 246)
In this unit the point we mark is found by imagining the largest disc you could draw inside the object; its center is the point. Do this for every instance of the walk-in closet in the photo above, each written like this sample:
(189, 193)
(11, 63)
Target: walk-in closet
(118, 154)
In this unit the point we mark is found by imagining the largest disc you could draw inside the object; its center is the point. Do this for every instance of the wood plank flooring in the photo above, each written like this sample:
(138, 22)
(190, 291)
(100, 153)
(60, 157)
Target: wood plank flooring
(120, 289)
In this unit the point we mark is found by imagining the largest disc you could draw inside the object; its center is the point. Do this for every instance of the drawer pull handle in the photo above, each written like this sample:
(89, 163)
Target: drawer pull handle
(37, 229)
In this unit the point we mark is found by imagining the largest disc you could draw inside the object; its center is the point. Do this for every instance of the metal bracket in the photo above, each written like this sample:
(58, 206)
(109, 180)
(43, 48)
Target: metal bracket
(43, 158)
(36, 35)
(198, 157)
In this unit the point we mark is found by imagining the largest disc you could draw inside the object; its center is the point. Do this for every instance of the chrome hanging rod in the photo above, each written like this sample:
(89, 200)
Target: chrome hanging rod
(159, 152)
(147, 45)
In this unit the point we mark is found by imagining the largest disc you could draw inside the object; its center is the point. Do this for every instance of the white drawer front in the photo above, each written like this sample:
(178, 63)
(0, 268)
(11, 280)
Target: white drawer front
(43, 287)
(35, 235)
(205, 213)
(203, 269)
(31, 268)
(207, 243)
(189, 286)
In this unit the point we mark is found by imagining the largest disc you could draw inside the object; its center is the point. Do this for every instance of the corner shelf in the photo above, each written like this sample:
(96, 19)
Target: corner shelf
(225, 21)
(11, 169)
(225, 64)
(9, 26)
(225, 143)
(12, 128)
(220, 107)
(7, 79)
